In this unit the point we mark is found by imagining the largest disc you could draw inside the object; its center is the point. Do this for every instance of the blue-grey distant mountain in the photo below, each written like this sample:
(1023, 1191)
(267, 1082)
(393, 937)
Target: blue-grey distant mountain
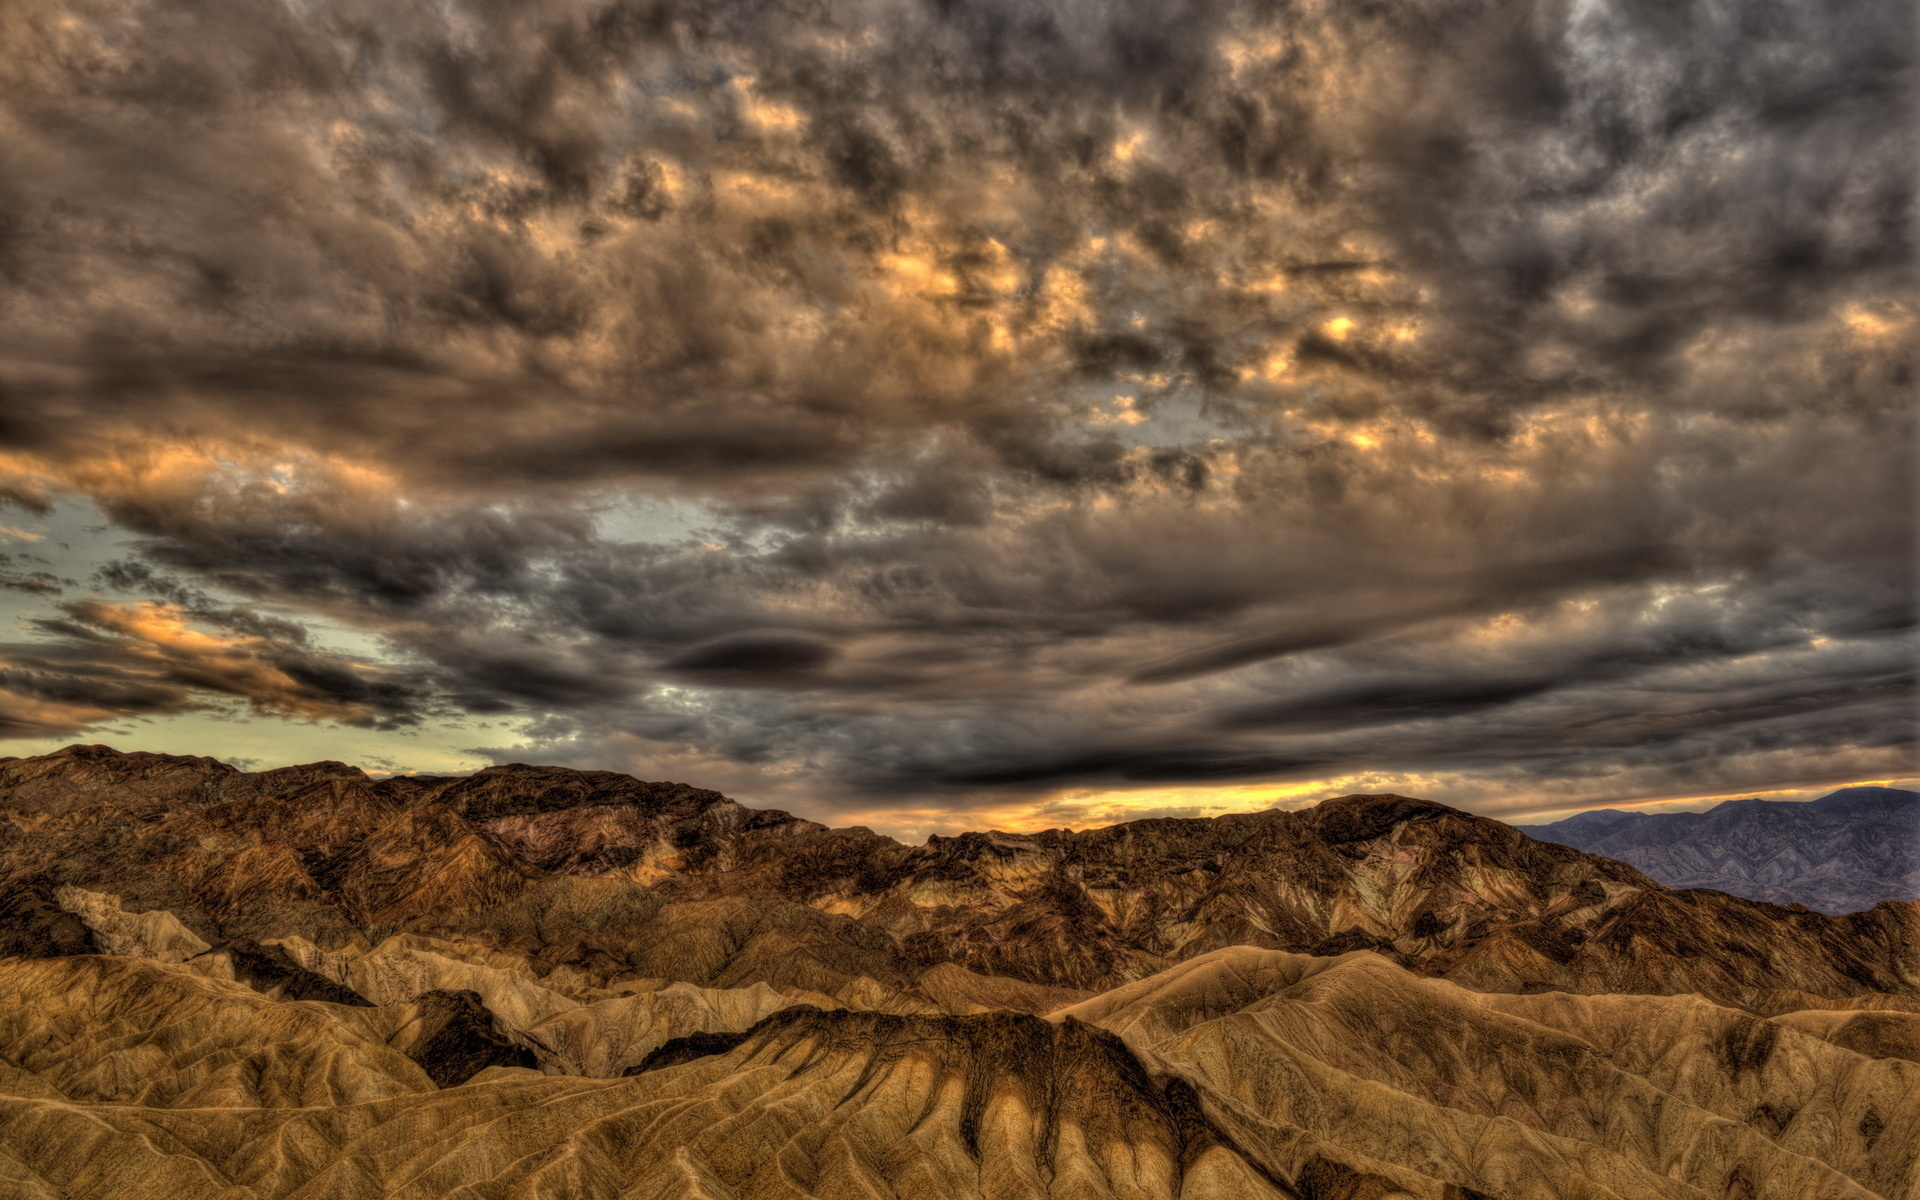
(1842, 853)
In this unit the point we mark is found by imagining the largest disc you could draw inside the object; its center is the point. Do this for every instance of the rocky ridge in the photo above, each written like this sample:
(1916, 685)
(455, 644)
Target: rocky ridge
(613, 877)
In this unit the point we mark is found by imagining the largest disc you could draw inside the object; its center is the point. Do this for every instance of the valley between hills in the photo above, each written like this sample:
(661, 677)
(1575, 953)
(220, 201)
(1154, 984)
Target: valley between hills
(536, 982)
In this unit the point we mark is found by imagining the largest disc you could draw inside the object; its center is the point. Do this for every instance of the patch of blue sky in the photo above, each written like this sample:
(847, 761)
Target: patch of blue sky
(1143, 410)
(632, 518)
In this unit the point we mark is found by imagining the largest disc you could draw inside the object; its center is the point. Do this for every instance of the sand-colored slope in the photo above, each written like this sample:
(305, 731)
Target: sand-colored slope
(579, 1024)
(569, 1021)
(130, 1031)
(155, 934)
(1245, 1073)
(1807, 1092)
(809, 1103)
(1874, 1034)
(1637, 1094)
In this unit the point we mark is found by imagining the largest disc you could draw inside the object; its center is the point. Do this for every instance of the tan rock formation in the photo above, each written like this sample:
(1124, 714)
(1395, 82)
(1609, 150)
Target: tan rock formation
(157, 934)
(1245, 1073)
(535, 983)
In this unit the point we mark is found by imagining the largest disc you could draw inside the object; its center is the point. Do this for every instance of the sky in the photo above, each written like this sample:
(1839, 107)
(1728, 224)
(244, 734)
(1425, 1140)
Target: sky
(944, 414)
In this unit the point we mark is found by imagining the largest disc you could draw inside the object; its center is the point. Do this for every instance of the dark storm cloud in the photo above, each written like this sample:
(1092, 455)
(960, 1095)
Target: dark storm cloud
(20, 576)
(750, 655)
(1390, 702)
(101, 660)
(901, 398)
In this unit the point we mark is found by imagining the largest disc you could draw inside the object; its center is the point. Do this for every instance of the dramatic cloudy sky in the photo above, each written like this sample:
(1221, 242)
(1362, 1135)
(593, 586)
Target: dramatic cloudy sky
(935, 413)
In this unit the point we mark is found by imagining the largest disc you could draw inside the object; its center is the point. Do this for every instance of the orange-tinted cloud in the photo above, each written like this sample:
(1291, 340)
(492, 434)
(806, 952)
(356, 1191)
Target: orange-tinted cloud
(100, 659)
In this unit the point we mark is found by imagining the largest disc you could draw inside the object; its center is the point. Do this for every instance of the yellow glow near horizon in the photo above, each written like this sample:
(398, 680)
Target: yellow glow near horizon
(1093, 808)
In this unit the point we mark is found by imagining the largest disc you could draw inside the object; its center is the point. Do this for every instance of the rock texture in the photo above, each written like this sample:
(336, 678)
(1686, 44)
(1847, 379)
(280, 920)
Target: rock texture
(1243, 1073)
(534, 982)
(615, 878)
(1842, 853)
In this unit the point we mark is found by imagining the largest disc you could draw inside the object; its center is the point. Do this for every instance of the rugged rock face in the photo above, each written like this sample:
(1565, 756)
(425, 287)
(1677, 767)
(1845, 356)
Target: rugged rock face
(80, 778)
(1842, 853)
(534, 982)
(454, 1037)
(617, 878)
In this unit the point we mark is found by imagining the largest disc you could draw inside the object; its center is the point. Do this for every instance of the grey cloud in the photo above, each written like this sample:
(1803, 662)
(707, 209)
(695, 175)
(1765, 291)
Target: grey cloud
(1071, 392)
(1387, 703)
(101, 660)
(753, 655)
(19, 575)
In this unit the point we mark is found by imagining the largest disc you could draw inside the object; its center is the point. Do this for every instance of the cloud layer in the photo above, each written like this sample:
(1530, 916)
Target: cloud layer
(932, 404)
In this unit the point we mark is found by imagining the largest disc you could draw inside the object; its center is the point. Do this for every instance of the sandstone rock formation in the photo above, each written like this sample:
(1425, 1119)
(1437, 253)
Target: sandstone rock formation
(1842, 853)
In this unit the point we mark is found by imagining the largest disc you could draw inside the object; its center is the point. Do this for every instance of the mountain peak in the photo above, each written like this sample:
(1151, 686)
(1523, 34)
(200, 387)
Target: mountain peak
(1362, 817)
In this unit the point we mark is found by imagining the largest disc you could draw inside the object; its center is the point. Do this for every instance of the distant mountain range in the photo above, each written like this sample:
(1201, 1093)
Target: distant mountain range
(1842, 853)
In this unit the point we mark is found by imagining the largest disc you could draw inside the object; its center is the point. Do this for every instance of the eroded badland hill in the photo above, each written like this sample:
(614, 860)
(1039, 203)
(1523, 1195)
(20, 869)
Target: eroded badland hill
(540, 982)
